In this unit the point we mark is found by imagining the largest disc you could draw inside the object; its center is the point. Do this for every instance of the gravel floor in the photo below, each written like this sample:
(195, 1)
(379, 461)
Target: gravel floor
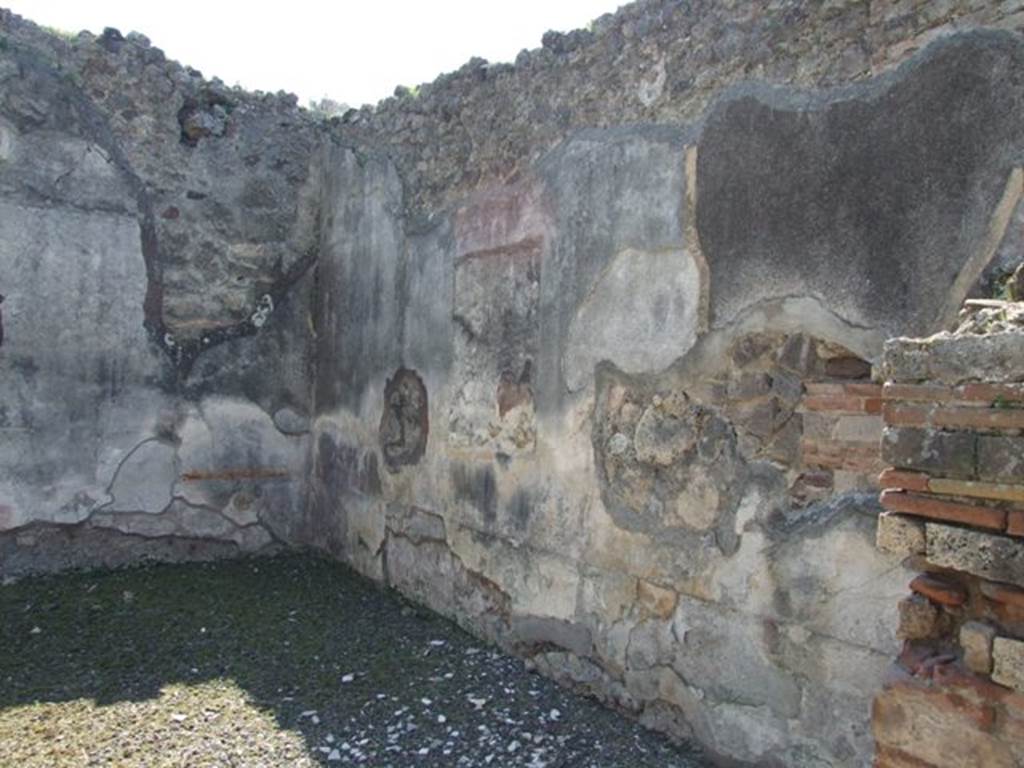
(286, 661)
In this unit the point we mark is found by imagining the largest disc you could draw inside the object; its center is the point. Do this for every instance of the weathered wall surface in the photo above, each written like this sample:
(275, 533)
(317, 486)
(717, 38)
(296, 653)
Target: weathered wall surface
(595, 334)
(157, 236)
(576, 351)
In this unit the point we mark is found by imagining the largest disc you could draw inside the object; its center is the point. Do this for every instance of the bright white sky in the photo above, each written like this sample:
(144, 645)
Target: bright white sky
(353, 52)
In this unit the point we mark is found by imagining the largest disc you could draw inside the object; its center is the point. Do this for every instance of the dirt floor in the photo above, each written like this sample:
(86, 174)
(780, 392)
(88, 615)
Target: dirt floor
(285, 661)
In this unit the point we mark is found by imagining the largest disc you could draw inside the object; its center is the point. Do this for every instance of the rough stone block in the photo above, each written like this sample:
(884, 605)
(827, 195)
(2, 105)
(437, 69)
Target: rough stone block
(758, 418)
(848, 368)
(787, 387)
(656, 600)
(818, 425)
(950, 454)
(949, 359)
(858, 428)
(1008, 662)
(749, 385)
(800, 355)
(785, 443)
(920, 619)
(998, 558)
(900, 535)
(1001, 458)
(976, 641)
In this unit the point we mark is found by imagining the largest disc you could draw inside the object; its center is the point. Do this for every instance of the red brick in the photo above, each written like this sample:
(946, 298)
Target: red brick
(938, 509)
(1003, 593)
(863, 389)
(841, 403)
(953, 417)
(1015, 522)
(927, 392)
(993, 393)
(938, 589)
(873, 405)
(908, 481)
(903, 415)
(979, 418)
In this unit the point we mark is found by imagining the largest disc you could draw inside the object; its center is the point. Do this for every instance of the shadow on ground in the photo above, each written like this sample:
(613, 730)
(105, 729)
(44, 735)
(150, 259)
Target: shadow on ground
(280, 661)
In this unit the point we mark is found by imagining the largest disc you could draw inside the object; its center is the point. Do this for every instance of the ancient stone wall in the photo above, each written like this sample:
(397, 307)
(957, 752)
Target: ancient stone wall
(954, 496)
(638, 339)
(579, 351)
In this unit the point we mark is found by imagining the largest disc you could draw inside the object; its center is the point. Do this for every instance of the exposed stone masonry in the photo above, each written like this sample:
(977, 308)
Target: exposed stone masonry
(954, 499)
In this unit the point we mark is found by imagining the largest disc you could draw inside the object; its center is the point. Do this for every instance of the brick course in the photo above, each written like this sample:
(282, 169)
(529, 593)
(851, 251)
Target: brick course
(956, 457)
(922, 505)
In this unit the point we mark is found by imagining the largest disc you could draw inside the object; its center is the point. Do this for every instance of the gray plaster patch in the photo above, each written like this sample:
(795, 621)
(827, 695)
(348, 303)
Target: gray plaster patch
(75, 363)
(533, 632)
(727, 655)
(611, 191)
(869, 198)
(145, 479)
(228, 446)
(641, 315)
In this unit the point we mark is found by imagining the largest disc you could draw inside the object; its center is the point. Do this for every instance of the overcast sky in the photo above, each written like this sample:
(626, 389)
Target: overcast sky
(353, 52)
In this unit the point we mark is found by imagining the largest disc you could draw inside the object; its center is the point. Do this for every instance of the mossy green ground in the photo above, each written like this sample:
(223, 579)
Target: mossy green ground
(278, 661)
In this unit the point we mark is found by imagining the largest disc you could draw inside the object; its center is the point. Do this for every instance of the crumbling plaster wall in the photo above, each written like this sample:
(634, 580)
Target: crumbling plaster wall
(157, 237)
(573, 350)
(632, 286)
